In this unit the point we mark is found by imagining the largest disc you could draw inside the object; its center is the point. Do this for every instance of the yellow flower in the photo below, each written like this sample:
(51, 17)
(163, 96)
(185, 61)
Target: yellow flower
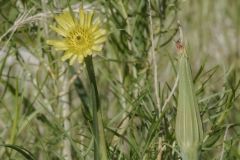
(81, 36)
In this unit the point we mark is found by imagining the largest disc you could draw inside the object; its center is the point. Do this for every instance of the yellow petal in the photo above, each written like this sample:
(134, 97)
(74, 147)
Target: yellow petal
(99, 33)
(82, 16)
(88, 52)
(100, 40)
(72, 60)
(65, 21)
(89, 18)
(80, 59)
(66, 56)
(69, 19)
(59, 45)
(95, 25)
(97, 48)
(60, 31)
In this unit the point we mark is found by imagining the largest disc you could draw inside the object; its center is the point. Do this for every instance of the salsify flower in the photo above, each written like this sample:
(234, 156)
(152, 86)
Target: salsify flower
(81, 36)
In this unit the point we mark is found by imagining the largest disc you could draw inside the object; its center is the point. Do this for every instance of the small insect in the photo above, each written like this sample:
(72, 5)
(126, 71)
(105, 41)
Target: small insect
(179, 46)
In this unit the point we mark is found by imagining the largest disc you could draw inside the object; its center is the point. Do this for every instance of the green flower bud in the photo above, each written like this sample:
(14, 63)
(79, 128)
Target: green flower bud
(189, 132)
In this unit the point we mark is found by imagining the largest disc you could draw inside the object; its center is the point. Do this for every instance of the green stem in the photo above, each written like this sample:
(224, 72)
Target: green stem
(100, 151)
(193, 155)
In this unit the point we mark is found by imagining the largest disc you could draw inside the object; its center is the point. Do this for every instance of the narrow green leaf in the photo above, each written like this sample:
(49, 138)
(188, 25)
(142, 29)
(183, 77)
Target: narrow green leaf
(27, 154)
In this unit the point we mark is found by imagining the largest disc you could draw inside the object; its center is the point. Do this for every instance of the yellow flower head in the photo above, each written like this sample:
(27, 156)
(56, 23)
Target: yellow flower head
(81, 37)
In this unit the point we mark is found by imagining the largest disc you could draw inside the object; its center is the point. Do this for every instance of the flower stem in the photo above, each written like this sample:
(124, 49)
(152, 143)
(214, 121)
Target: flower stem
(100, 151)
(193, 155)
